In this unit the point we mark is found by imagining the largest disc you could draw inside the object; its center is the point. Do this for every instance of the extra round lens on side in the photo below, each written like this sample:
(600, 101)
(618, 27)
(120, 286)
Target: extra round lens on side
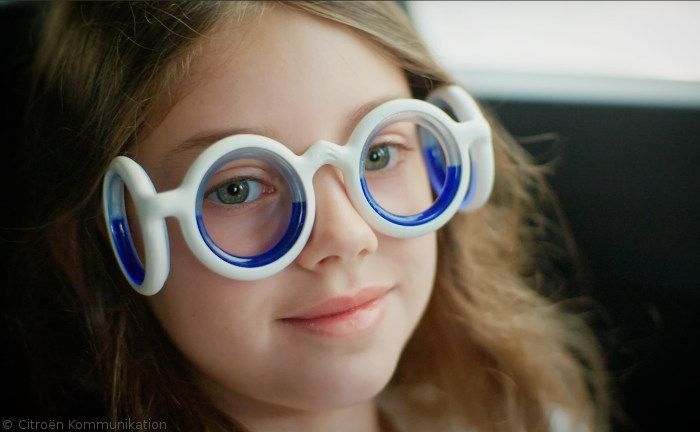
(126, 231)
(247, 203)
(403, 166)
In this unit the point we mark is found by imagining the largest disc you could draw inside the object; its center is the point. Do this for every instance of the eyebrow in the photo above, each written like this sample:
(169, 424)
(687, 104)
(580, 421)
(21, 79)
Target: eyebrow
(206, 138)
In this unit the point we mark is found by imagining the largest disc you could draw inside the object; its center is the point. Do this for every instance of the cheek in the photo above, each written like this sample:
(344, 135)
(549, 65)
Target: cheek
(227, 330)
(416, 261)
(416, 256)
(405, 190)
(212, 320)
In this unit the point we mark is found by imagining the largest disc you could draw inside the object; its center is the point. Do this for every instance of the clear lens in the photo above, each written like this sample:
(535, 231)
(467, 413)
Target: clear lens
(246, 204)
(403, 166)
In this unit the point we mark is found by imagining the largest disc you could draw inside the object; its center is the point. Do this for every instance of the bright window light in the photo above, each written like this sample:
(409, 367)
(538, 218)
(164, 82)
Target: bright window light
(632, 41)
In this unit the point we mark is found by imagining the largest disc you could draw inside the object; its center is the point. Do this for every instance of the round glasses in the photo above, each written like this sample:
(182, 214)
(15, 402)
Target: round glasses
(246, 206)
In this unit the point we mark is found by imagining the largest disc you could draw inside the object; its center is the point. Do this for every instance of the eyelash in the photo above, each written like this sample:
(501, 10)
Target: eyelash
(265, 189)
(400, 147)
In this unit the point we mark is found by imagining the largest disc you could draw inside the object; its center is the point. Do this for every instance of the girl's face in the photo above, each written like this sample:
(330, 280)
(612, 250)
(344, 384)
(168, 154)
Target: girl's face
(296, 79)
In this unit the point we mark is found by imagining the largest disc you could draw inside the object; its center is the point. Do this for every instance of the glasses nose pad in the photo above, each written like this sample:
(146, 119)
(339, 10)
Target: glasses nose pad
(435, 164)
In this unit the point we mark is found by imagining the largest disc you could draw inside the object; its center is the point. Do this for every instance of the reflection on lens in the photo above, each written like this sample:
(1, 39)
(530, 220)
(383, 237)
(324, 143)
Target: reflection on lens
(404, 167)
(246, 205)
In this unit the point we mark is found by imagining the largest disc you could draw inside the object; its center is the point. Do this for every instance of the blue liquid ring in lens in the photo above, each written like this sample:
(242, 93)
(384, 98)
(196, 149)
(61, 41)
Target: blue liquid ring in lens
(296, 223)
(436, 172)
(436, 167)
(446, 195)
(119, 230)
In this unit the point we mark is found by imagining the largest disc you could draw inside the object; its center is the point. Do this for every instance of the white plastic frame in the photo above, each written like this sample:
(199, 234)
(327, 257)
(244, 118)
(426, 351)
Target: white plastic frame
(471, 133)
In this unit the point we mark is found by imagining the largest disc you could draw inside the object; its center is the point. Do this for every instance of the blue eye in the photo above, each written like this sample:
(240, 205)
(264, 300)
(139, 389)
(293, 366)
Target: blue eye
(237, 191)
(380, 156)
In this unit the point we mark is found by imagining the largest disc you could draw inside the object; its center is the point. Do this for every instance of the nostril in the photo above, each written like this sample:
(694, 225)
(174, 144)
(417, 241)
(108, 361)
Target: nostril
(328, 259)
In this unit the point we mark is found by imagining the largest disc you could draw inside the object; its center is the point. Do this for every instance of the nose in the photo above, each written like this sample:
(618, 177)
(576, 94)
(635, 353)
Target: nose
(339, 235)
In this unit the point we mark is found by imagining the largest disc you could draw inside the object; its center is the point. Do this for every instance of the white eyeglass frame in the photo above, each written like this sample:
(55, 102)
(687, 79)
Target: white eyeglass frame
(471, 134)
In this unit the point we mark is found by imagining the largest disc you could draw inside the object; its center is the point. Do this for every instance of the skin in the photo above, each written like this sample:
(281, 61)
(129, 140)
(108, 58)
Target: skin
(297, 79)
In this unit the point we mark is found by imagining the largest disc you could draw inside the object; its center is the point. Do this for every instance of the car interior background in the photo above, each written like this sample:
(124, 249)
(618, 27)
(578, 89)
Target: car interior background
(626, 172)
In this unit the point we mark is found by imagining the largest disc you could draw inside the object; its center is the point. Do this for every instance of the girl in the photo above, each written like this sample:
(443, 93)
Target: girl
(240, 125)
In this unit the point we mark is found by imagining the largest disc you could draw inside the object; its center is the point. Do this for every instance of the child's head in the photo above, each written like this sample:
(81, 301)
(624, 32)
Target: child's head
(457, 325)
(292, 77)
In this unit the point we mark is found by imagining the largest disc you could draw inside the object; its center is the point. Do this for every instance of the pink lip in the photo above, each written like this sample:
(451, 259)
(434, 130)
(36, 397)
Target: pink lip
(342, 316)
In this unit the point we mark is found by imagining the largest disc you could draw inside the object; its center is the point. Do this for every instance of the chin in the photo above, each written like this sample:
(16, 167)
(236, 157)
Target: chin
(344, 387)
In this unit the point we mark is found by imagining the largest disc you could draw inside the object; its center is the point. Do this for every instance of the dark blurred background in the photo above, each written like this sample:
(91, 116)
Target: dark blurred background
(627, 176)
(628, 181)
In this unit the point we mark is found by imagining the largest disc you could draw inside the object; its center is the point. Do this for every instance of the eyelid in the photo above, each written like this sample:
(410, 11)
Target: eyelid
(234, 173)
(218, 185)
(242, 172)
(265, 190)
(391, 139)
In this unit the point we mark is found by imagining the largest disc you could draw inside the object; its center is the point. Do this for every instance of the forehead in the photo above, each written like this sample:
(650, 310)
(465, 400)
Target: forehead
(288, 75)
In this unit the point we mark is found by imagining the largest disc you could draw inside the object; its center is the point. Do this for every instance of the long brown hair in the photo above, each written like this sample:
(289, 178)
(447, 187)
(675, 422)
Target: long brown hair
(492, 352)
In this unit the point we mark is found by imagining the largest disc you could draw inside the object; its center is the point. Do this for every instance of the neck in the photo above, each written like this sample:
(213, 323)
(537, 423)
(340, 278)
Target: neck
(260, 416)
(263, 418)
(352, 419)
